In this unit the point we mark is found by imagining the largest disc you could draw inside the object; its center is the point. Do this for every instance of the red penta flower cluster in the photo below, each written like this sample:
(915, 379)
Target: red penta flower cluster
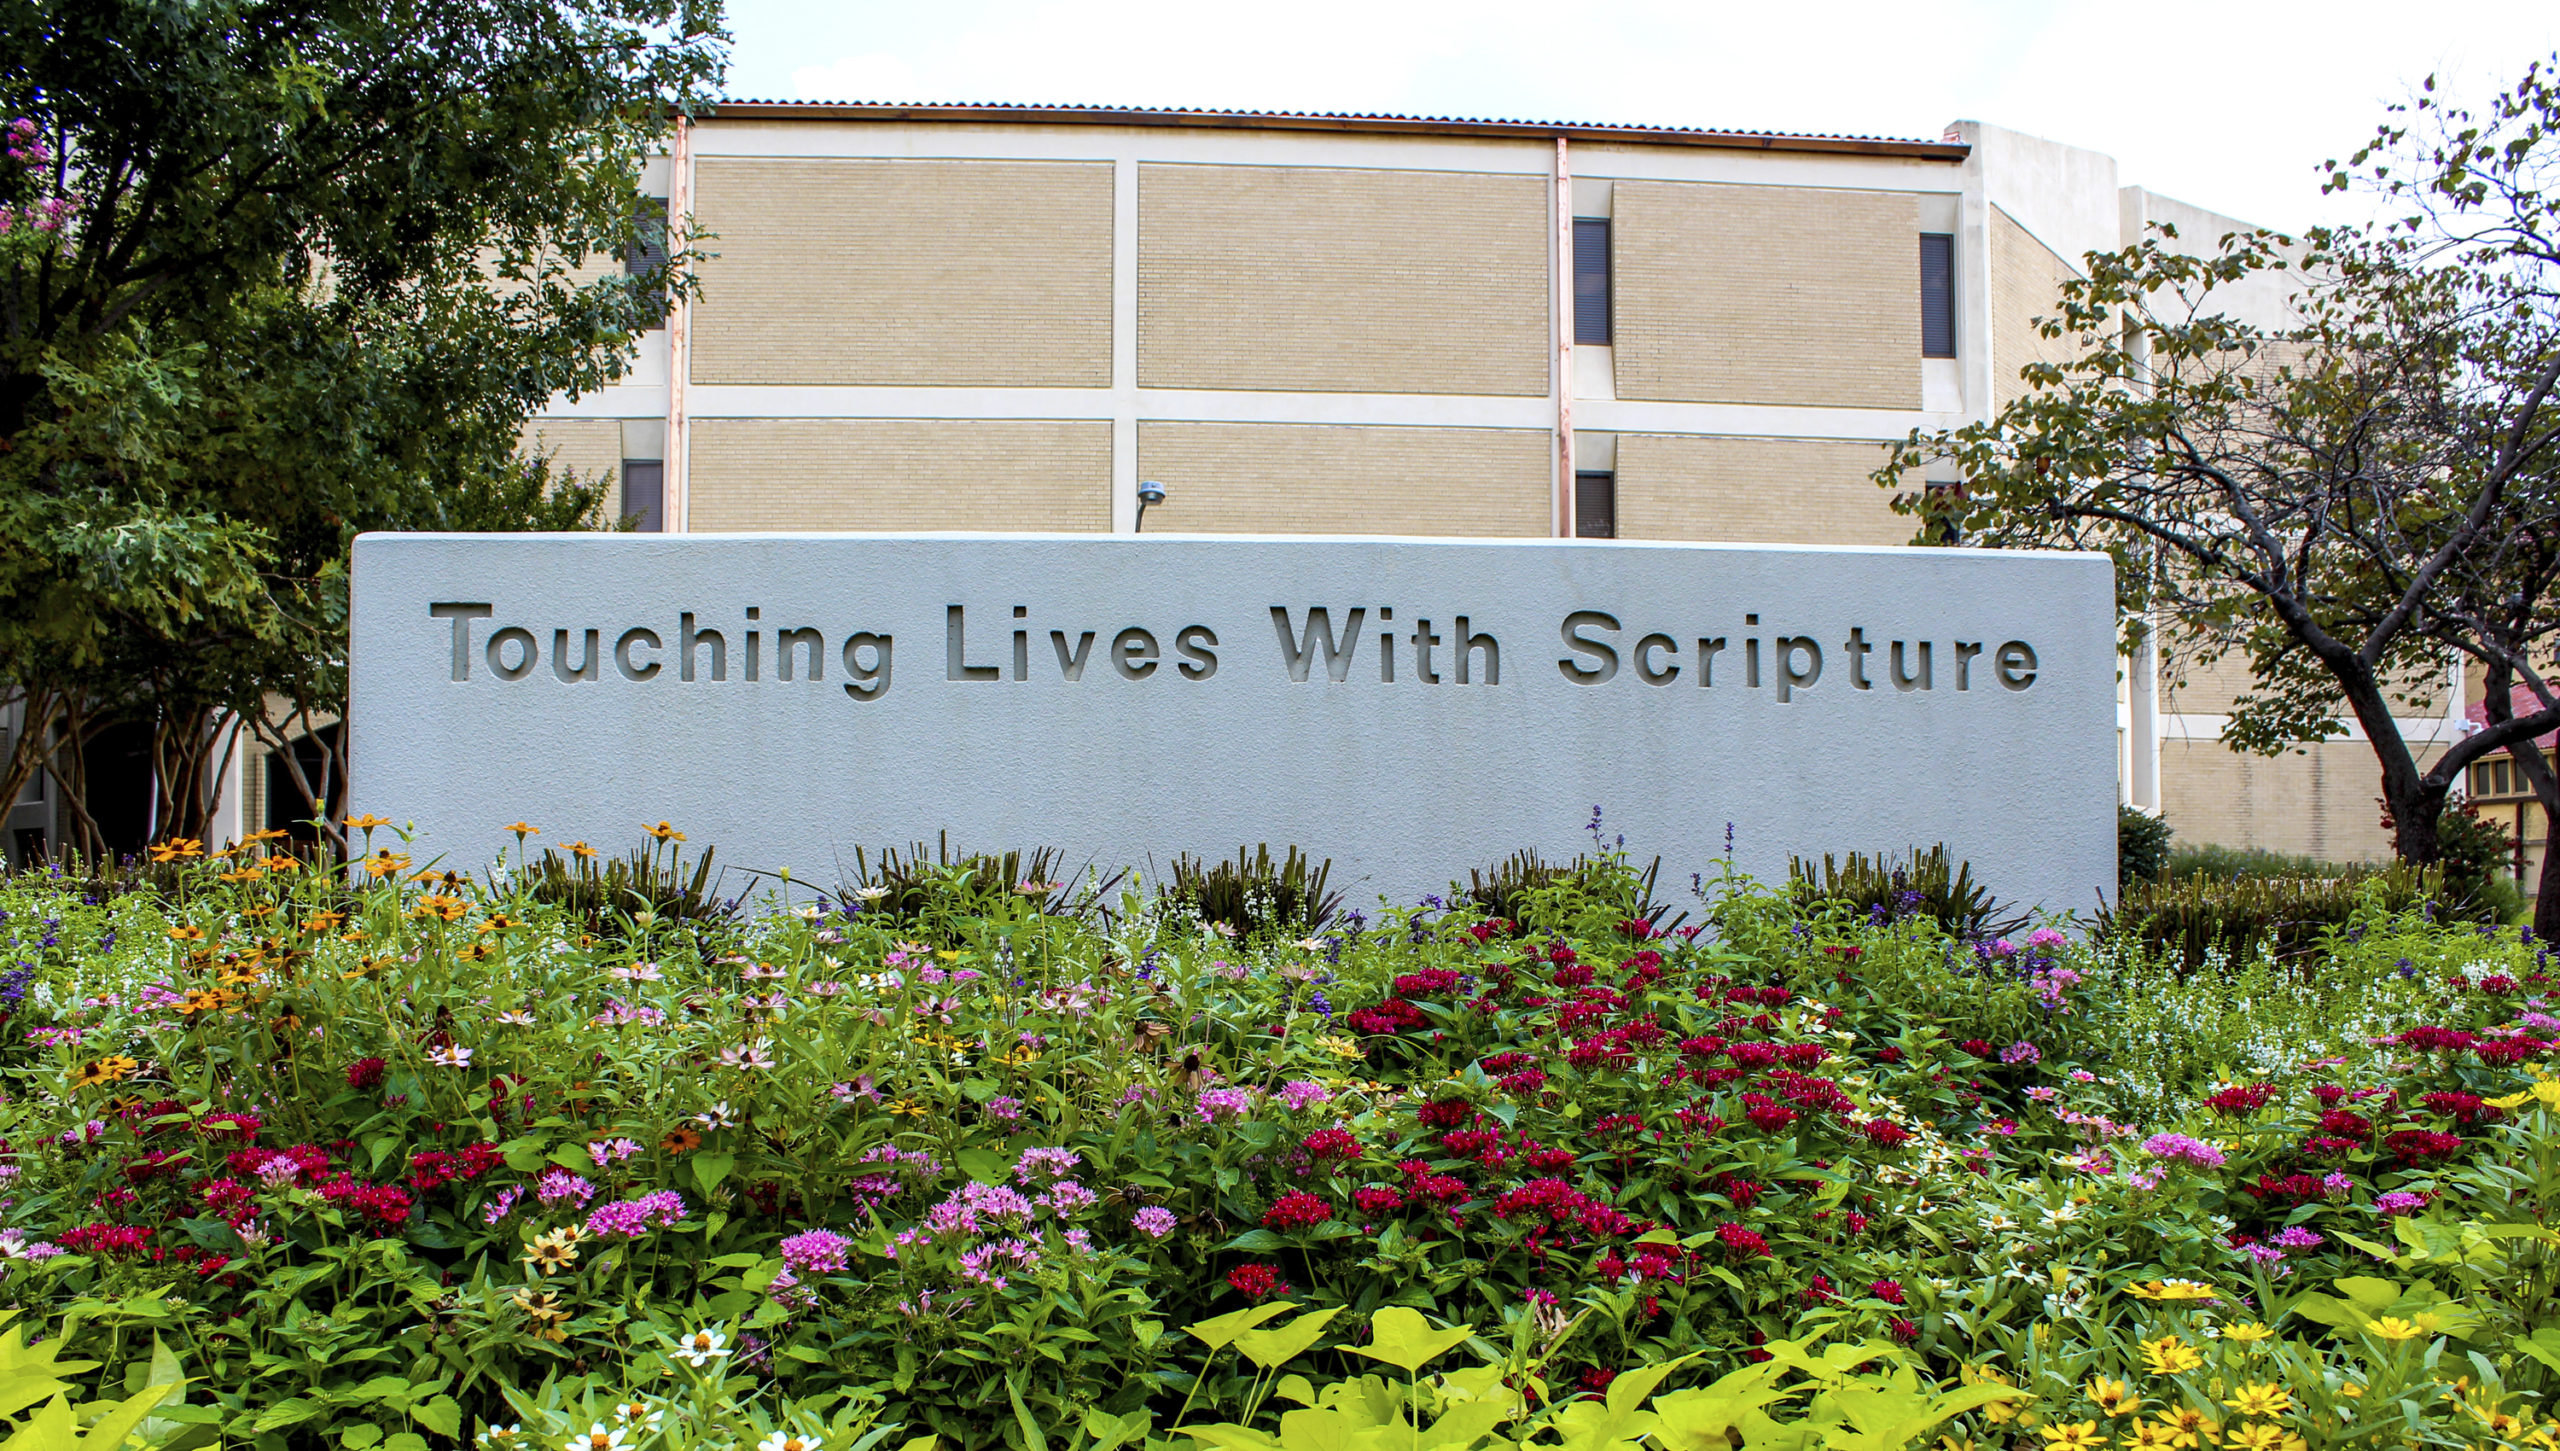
(1332, 1144)
(2240, 1101)
(1255, 1282)
(1299, 1210)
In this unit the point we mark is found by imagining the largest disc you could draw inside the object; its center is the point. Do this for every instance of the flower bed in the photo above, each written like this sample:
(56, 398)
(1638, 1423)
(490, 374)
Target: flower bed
(404, 1156)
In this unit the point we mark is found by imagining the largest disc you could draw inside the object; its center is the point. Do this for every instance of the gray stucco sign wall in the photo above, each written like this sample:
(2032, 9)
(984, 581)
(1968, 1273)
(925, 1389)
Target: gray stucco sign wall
(1408, 707)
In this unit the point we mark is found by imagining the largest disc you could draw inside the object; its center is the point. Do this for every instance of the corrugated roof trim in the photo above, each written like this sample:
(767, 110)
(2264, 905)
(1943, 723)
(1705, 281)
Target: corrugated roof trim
(1348, 121)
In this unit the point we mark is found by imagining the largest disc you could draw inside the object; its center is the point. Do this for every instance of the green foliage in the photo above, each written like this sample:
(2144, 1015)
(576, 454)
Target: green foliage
(647, 886)
(280, 275)
(972, 1182)
(1250, 895)
(41, 1400)
(2303, 494)
(1522, 888)
(2143, 853)
(2203, 859)
(2244, 917)
(2476, 853)
(1925, 882)
(938, 891)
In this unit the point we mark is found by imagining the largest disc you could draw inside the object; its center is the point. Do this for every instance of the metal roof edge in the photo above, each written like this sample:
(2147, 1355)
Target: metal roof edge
(1339, 122)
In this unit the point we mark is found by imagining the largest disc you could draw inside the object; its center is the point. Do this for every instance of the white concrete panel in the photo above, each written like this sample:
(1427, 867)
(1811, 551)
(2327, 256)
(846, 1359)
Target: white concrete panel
(1402, 783)
(2064, 195)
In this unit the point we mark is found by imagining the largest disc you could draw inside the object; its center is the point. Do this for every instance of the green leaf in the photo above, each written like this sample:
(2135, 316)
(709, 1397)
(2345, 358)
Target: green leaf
(1031, 1437)
(1403, 1339)
(710, 1169)
(360, 1436)
(574, 1158)
(405, 1441)
(984, 1166)
(1276, 1347)
(525, 1155)
(1220, 1332)
(1295, 1388)
(1256, 1242)
(443, 1415)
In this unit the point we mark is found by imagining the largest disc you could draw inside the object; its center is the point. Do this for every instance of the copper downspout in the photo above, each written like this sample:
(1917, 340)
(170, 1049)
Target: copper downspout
(1563, 511)
(675, 510)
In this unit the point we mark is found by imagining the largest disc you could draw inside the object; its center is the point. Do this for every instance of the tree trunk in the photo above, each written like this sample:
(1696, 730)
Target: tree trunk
(2414, 806)
(2498, 704)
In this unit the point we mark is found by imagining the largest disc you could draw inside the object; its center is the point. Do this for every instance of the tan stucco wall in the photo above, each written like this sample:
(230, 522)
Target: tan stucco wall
(2203, 687)
(954, 273)
(590, 448)
(2026, 284)
(1342, 281)
(874, 473)
(2320, 802)
(1766, 294)
(1265, 478)
(1754, 490)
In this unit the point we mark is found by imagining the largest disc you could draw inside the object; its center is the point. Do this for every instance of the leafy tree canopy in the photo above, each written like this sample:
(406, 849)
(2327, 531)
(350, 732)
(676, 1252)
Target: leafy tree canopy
(2337, 458)
(275, 273)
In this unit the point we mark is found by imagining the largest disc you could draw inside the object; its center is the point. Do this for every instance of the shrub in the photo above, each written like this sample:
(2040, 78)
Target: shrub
(1250, 895)
(1926, 883)
(2243, 917)
(2203, 859)
(648, 885)
(2475, 853)
(2142, 846)
(1525, 890)
(931, 894)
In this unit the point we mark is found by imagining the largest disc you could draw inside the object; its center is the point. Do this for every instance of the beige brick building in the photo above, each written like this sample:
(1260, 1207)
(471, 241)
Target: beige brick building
(948, 317)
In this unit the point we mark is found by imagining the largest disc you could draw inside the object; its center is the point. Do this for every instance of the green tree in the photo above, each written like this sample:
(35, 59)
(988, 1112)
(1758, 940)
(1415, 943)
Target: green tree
(2346, 495)
(273, 272)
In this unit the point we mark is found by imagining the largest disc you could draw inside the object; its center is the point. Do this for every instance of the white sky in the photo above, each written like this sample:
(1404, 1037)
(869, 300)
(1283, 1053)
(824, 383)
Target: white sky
(2229, 104)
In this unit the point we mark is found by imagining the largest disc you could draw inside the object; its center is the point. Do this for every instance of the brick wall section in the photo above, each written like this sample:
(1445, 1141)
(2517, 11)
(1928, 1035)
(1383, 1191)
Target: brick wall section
(2317, 803)
(2212, 688)
(590, 448)
(1767, 294)
(896, 473)
(2026, 284)
(1753, 490)
(951, 273)
(1286, 478)
(1342, 281)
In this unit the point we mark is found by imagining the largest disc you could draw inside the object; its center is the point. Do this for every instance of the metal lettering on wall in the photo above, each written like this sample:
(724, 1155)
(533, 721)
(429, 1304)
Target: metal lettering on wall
(1409, 708)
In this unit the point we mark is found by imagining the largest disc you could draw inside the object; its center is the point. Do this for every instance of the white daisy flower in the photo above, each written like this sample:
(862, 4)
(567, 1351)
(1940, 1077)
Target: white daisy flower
(703, 1346)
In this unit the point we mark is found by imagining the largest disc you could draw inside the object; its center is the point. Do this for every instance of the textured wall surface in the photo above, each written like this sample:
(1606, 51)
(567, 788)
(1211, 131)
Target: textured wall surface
(1774, 490)
(2026, 284)
(590, 448)
(1342, 281)
(1281, 478)
(900, 473)
(1767, 294)
(1400, 784)
(959, 273)
(2319, 801)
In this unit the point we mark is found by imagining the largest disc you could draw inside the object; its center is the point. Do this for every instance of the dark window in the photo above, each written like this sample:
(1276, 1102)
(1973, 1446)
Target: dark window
(287, 809)
(1591, 280)
(1595, 504)
(1937, 295)
(646, 252)
(644, 492)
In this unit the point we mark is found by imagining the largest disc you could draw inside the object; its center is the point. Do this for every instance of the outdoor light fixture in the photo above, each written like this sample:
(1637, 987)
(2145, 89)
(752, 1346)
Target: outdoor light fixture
(1149, 492)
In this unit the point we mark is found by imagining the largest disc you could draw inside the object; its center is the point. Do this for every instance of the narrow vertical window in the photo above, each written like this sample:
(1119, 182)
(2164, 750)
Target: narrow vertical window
(1937, 295)
(1595, 504)
(646, 251)
(1591, 280)
(644, 487)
